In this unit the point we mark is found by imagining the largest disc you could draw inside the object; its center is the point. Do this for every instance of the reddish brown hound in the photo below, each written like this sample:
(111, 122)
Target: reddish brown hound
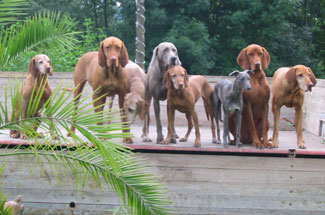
(104, 71)
(182, 94)
(288, 88)
(255, 123)
(38, 68)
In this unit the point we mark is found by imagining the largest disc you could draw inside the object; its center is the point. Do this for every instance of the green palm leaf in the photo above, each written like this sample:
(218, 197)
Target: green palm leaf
(91, 157)
(11, 10)
(44, 31)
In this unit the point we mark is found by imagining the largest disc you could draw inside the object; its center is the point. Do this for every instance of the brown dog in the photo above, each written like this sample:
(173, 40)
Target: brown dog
(182, 94)
(134, 101)
(255, 123)
(288, 88)
(104, 71)
(38, 68)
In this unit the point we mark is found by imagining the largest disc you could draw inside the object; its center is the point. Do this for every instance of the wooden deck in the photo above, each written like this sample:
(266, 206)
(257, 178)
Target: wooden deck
(206, 180)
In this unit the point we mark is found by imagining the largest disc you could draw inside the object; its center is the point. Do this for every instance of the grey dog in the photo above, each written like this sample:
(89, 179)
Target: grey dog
(229, 94)
(164, 56)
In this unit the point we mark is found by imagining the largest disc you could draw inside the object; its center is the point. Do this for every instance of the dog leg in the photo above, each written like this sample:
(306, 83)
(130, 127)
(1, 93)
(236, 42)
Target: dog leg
(238, 116)
(124, 118)
(216, 115)
(298, 123)
(197, 129)
(156, 106)
(145, 129)
(189, 128)
(257, 143)
(171, 118)
(266, 127)
(213, 127)
(225, 130)
(275, 139)
(76, 96)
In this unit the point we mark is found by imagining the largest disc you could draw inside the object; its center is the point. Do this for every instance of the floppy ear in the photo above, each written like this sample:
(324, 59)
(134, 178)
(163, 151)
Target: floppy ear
(266, 59)
(185, 79)
(101, 55)
(124, 56)
(178, 61)
(312, 76)
(32, 67)
(234, 73)
(142, 108)
(242, 59)
(167, 81)
(291, 77)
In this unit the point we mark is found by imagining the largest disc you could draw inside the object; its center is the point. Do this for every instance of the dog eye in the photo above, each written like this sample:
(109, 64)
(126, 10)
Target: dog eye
(182, 75)
(301, 75)
(174, 75)
(130, 109)
(41, 62)
(118, 48)
(260, 54)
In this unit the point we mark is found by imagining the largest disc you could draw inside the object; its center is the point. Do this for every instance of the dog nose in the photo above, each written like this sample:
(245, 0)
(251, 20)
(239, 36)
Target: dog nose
(113, 59)
(257, 65)
(48, 69)
(173, 60)
(181, 85)
(310, 86)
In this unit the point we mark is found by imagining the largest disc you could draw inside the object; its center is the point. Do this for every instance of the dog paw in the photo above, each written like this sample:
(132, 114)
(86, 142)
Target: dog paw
(183, 139)
(225, 145)
(214, 140)
(302, 146)
(258, 145)
(127, 140)
(197, 144)
(175, 136)
(14, 134)
(159, 140)
(173, 140)
(146, 139)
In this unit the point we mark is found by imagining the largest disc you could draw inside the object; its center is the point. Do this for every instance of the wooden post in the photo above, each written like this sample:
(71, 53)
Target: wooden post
(140, 30)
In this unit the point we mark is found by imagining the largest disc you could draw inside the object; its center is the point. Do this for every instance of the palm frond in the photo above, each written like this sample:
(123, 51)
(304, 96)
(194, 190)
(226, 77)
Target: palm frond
(44, 31)
(11, 10)
(87, 154)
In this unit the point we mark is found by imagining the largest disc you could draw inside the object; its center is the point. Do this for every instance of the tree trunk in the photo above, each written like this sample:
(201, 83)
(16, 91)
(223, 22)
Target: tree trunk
(105, 17)
(140, 30)
(95, 13)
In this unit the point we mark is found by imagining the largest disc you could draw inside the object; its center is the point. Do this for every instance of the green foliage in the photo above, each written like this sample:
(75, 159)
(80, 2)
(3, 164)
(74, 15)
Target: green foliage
(11, 10)
(193, 44)
(46, 31)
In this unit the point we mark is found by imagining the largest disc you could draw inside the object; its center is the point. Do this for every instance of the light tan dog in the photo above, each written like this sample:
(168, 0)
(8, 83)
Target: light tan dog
(38, 68)
(182, 94)
(255, 124)
(104, 71)
(134, 102)
(288, 88)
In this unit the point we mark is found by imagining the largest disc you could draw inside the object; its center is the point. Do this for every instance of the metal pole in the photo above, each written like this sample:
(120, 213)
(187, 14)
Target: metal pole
(140, 30)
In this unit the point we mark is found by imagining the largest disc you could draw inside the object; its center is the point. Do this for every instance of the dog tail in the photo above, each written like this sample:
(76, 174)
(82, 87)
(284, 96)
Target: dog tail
(206, 107)
(67, 89)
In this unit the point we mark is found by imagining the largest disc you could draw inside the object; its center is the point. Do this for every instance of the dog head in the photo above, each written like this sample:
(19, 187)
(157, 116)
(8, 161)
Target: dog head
(242, 80)
(40, 64)
(134, 105)
(15, 206)
(166, 54)
(302, 76)
(176, 77)
(112, 53)
(254, 57)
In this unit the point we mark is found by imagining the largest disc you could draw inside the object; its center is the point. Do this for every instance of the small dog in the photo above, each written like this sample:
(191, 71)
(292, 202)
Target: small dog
(39, 67)
(288, 88)
(229, 94)
(17, 208)
(182, 94)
